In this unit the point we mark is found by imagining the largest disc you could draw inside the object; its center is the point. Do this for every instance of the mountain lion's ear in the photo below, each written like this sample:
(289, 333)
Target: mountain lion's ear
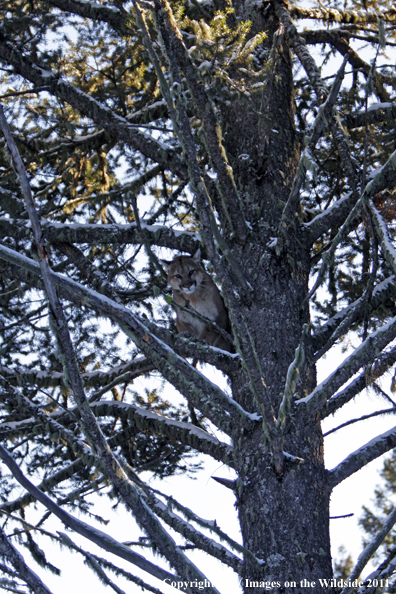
(197, 255)
(165, 265)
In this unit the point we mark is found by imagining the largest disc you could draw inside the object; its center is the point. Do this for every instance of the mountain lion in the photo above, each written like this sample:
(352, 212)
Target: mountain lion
(194, 289)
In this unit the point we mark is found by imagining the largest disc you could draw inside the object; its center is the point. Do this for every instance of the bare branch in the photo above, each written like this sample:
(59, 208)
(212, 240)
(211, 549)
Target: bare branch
(377, 413)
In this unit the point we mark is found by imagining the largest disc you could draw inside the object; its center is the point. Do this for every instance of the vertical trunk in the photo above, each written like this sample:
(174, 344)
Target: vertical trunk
(283, 517)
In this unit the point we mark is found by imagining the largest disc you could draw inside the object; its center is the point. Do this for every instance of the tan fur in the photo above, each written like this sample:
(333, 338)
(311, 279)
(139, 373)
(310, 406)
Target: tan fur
(193, 288)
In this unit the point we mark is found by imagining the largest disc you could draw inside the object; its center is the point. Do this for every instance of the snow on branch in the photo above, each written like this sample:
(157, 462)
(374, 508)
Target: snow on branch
(377, 113)
(326, 335)
(186, 433)
(329, 218)
(92, 559)
(381, 365)
(107, 233)
(384, 571)
(361, 457)
(363, 355)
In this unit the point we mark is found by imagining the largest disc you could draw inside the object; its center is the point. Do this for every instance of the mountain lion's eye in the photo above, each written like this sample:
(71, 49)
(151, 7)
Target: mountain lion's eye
(177, 276)
(191, 273)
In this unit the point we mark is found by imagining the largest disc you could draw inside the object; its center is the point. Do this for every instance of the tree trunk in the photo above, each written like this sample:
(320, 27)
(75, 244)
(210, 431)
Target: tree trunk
(283, 516)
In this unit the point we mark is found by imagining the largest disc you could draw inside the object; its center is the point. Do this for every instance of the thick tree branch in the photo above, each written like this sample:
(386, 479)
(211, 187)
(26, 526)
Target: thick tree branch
(115, 17)
(361, 356)
(377, 113)
(145, 420)
(357, 460)
(381, 365)
(330, 218)
(160, 235)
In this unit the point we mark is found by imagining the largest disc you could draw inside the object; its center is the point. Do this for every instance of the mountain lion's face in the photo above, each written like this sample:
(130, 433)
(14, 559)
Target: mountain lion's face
(185, 275)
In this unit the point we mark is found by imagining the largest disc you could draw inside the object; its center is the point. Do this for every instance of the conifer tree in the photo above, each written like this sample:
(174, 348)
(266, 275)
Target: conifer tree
(260, 132)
